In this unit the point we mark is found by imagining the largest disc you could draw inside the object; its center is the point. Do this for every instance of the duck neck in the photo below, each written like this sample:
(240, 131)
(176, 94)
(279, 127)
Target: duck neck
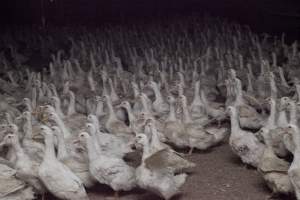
(293, 113)
(130, 114)
(62, 150)
(49, 148)
(145, 105)
(271, 119)
(91, 81)
(58, 108)
(96, 145)
(239, 95)
(249, 66)
(111, 111)
(250, 85)
(204, 98)
(95, 122)
(104, 90)
(113, 93)
(18, 150)
(62, 127)
(282, 78)
(158, 96)
(235, 127)
(92, 150)
(296, 139)
(33, 97)
(54, 91)
(146, 150)
(197, 98)
(267, 140)
(273, 88)
(155, 139)
(282, 119)
(186, 114)
(28, 128)
(99, 108)
(135, 92)
(12, 79)
(172, 115)
(71, 107)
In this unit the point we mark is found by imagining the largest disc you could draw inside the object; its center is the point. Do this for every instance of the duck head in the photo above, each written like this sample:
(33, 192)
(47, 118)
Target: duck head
(9, 140)
(283, 103)
(140, 141)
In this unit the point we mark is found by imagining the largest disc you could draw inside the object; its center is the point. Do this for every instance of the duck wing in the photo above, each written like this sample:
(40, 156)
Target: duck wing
(8, 181)
(165, 159)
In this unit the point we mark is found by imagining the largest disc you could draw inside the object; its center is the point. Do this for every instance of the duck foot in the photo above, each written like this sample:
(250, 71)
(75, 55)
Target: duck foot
(116, 196)
(191, 151)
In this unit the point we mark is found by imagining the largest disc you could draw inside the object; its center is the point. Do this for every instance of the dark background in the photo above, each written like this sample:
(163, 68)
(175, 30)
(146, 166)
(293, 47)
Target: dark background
(272, 16)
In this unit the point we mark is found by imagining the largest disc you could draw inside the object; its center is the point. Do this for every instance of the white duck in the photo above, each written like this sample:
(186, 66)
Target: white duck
(156, 173)
(174, 130)
(294, 170)
(109, 144)
(244, 143)
(155, 145)
(77, 162)
(196, 135)
(12, 188)
(273, 169)
(108, 170)
(58, 178)
(114, 125)
(160, 107)
(27, 169)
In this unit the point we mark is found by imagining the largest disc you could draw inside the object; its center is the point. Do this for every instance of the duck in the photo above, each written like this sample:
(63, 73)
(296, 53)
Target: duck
(76, 162)
(173, 129)
(114, 125)
(274, 169)
(32, 148)
(27, 169)
(215, 111)
(12, 188)
(197, 107)
(293, 171)
(57, 177)
(107, 169)
(155, 145)
(276, 132)
(244, 143)
(248, 116)
(109, 144)
(196, 135)
(160, 107)
(155, 173)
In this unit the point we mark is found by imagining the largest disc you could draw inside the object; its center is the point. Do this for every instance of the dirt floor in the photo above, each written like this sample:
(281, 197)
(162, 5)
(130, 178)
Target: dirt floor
(219, 175)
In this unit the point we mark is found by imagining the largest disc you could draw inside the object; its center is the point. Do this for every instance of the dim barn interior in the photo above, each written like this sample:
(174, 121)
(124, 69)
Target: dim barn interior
(150, 100)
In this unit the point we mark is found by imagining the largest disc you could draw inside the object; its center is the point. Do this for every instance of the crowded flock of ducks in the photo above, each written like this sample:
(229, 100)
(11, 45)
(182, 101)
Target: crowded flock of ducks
(116, 103)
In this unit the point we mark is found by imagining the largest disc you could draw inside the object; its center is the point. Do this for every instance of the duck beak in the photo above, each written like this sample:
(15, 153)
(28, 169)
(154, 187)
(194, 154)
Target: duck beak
(118, 106)
(2, 144)
(76, 141)
(37, 136)
(44, 119)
